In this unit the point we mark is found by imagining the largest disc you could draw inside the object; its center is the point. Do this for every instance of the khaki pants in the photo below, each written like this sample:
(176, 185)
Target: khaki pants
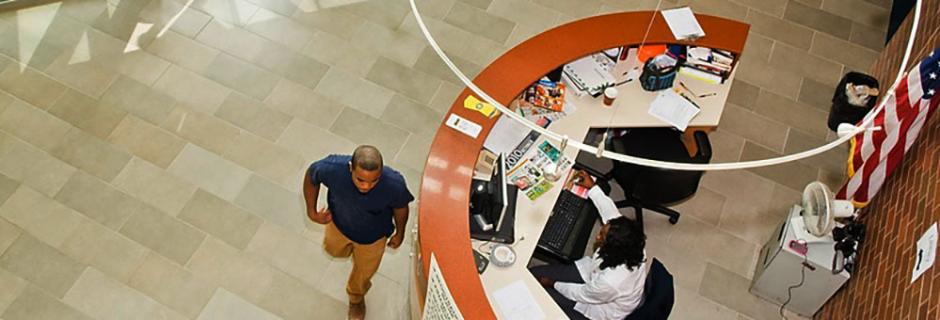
(365, 258)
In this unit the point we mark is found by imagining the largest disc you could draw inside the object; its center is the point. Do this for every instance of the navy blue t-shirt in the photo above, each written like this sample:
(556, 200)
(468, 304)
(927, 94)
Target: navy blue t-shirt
(363, 218)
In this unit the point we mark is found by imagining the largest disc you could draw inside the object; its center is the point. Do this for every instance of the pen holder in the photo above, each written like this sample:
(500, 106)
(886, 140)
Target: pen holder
(655, 79)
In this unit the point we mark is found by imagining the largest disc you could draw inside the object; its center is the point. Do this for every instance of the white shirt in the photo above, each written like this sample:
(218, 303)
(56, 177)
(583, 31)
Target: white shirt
(611, 293)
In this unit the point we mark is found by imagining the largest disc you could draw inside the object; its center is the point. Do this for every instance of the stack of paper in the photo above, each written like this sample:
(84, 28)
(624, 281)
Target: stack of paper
(673, 109)
(683, 24)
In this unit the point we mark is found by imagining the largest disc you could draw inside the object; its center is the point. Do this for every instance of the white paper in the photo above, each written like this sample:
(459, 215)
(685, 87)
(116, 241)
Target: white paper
(438, 302)
(683, 24)
(515, 302)
(926, 252)
(465, 126)
(673, 109)
(505, 135)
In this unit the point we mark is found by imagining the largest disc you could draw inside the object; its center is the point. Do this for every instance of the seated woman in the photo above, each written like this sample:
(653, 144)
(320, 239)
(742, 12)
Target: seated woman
(609, 284)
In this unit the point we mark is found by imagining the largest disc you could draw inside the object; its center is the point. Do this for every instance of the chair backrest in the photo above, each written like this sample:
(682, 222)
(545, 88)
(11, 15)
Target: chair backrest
(659, 295)
(654, 185)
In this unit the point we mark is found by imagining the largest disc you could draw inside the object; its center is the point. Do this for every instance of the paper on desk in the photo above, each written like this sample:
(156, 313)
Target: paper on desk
(683, 24)
(673, 109)
(515, 302)
(505, 135)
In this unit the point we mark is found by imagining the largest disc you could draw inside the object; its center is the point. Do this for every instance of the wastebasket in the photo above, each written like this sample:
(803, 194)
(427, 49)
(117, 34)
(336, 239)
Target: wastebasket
(842, 111)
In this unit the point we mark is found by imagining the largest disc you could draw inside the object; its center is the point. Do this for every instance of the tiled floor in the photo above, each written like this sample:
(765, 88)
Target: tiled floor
(151, 150)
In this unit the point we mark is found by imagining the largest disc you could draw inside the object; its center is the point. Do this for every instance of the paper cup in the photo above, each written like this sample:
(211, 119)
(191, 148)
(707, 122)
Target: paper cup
(609, 95)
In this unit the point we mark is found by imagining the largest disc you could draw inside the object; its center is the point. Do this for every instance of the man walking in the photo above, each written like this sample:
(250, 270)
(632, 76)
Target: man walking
(363, 199)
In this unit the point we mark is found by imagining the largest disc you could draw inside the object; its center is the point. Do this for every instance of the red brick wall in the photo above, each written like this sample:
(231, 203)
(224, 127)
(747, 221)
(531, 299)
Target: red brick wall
(908, 203)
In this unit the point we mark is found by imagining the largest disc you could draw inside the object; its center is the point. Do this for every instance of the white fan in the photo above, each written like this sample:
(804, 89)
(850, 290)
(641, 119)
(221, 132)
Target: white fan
(820, 209)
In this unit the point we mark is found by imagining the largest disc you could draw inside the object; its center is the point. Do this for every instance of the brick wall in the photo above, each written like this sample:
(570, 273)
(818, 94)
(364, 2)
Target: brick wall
(908, 203)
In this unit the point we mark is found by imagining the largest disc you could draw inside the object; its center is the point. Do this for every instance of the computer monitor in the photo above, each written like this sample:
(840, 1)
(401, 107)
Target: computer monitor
(493, 203)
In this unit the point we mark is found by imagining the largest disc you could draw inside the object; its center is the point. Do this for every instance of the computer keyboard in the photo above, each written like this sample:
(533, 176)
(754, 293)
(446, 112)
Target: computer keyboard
(562, 221)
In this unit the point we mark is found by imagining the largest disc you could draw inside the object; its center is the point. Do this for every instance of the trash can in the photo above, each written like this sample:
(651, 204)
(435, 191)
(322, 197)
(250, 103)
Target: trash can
(844, 110)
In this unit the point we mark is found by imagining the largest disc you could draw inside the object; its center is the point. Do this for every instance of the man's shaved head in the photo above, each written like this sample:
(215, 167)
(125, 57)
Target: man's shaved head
(367, 158)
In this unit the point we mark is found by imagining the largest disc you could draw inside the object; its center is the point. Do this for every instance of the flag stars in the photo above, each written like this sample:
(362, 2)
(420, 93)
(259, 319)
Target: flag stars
(933, 75)
(930, 92)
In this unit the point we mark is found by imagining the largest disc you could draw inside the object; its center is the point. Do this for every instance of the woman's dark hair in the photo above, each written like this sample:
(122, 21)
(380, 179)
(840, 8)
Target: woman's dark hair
(623, 245)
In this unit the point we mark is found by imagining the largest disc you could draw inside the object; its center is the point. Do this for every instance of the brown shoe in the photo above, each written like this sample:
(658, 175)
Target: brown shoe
(357, 311)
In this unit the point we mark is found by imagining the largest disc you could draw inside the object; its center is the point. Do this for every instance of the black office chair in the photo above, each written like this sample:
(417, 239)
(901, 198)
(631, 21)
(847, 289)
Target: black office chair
(656, 188)
(659, 295)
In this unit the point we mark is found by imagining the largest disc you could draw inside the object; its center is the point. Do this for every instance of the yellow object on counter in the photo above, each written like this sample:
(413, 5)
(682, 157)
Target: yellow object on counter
(485, 108)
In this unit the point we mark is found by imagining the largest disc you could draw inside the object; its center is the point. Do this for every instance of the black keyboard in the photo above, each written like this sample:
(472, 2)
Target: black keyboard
(562, 221)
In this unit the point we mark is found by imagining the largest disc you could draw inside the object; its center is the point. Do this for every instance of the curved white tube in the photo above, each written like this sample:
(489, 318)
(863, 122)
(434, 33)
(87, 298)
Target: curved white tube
(665, 164)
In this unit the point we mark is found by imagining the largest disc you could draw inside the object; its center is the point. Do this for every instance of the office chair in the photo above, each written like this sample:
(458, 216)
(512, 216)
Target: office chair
(658, 296)
(655, 188)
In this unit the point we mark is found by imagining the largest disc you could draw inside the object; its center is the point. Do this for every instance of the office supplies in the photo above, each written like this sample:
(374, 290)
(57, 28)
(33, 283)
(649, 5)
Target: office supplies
(493, 203)
(683, 24)
(545, 94)
(472, 103)
(486, 163)
(465, 126)
(671, 108)
(590, 74)
(562, 221)
(502, 255)
(515, 302)
(480, 260)
(505, 135)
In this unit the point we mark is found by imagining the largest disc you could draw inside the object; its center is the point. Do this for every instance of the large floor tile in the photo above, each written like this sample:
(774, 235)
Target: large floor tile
(192, 89)
(171, 285)
(210, 172)
(86, 113)
(99, 201)
(313, 142)
(164, 234)
(89, 77)
(232, 40)
(279, 29)
(35, 126)
(111, 253)
(290, 252)
(731, 290)
(138, 99)
(221, 219)
(225, 305)
(409, 82)
(41, 216)
(253, 116)
(354, 91)
(91, 154)
(182, 50)
(22, 162)
(147, 141)
(292, 65)
(33, 303)
(154, 186)
(241, 76)
(96, 294)
(187, 22)
(283, 166)
(42, 265)
(361, 128)
(10, 288)
(395, 45)
(273, 203)
(9, 234)
(30, 85)
(201, 129)
(304, 103)
(478, 21)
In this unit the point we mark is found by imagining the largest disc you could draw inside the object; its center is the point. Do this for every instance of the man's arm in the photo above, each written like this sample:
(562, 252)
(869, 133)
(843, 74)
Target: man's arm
(401, 219)
(311, 193)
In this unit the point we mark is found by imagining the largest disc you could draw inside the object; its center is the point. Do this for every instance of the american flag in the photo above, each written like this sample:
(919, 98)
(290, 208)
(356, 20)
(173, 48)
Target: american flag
(875, 154)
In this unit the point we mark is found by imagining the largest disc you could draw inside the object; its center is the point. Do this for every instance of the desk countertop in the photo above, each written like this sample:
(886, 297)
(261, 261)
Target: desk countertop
(443, 222)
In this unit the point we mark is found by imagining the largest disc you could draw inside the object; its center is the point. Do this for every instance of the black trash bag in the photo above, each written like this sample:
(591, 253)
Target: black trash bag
(842, 110)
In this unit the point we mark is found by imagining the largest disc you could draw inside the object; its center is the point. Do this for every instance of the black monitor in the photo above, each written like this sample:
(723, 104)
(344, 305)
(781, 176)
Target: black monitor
(492, 206)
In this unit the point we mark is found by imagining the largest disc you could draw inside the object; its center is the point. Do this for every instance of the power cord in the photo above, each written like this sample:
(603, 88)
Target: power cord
(803, 268)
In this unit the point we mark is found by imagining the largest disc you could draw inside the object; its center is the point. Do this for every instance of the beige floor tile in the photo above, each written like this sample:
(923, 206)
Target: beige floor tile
(753, 127)
(241, 76)
(233, 40)
(691, 305)
(41, 216)
(235, 12)
(685, 265)
(105, 250)
(739, 185)
(285, 7)
(781, 30)
(360, 128)
(750, 222)
(385, 13)
(192, 89)
(231, 269)
(387, 299)
(290, 252)
(435, 8)
(395, 45)
(279, 29)
(715, 245)
(34, 126)
(537, 16)
(860, 11)
(336, 22)
(154, 186)
(96, 294)
(818, 19)
(187, 22)
(91, 154)
(445, 97)
(210, 172)
(10, 288)
(820, 69)
(730, 289)
(182, 50)
(163, 234)
(338, 52)
(414, 84)
(302, 102)
(86, 113)
(138, 65)
(27, 47)
(99, 201)
(291, 299)
(744, 94)
(171, 285)
(729, 9)
(312, 142)
(280, 165)
(147, 141)
(855, 57)
(226, 305)
(479, 22)
(33, 303)
(832, 160)
(335, 286)
(253, 116)
(30, 85)
(781, 81)
(35, 168)
(292, 65)
(411, 116)
(794, 174)
(579, 9)
(705, 205)
(414, 153)
(816, 94)
(482, 51)
(40, 264)
(354, 91)
(7, 187)
(9, 234)
(220, 219)
(396, 263)
(786, 110)
(430, 63)
(867, 36)
(726, 146)
(274, 204)
(89, 77)
(201, 129)
(138, 99)
(449, 37)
